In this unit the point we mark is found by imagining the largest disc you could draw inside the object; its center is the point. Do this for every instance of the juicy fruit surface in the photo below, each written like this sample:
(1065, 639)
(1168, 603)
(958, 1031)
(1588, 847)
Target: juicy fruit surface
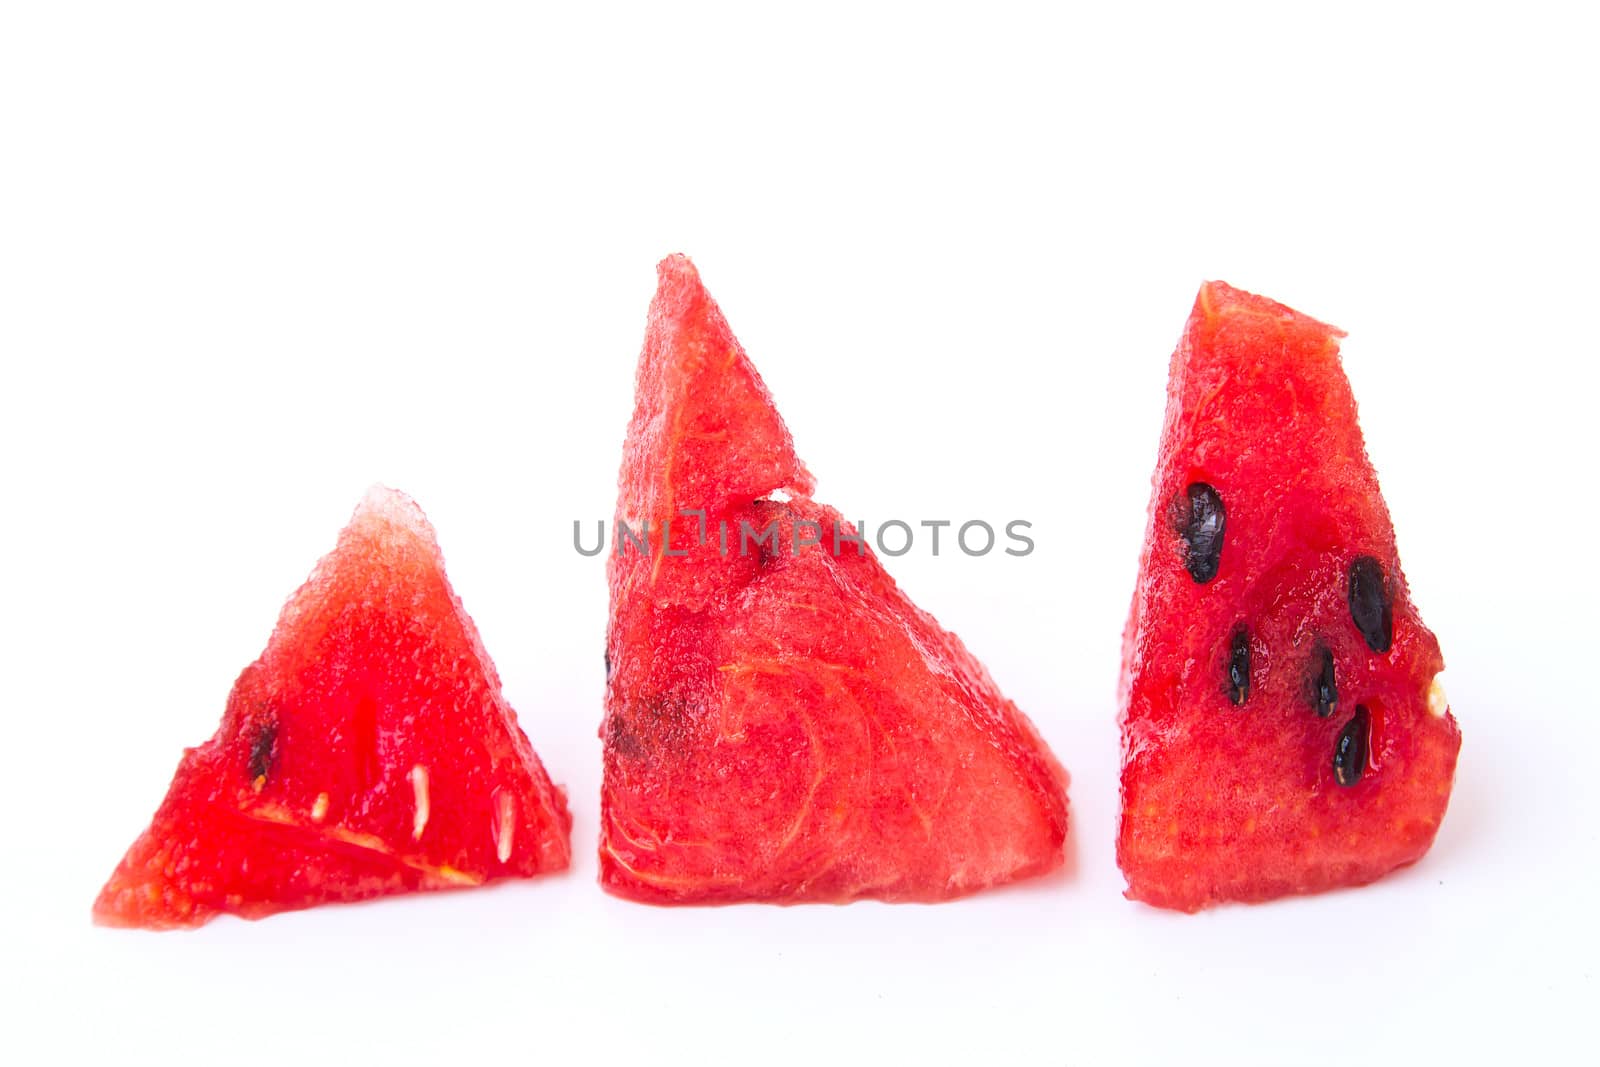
(368, 751)
(787, 726)
(1332, 763)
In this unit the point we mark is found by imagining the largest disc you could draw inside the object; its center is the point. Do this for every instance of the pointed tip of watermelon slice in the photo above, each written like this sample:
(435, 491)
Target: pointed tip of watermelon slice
(381, 499)
(677, 285)
(394, 513)
(704, 432)
(1217, 301)
(677, 266)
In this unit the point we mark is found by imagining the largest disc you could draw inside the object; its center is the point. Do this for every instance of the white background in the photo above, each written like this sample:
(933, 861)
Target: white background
(253, 260)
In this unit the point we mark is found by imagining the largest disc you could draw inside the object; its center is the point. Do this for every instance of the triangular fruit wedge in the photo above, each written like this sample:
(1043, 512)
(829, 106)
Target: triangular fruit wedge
(1282, 727)
(782, 723)
(368, 751)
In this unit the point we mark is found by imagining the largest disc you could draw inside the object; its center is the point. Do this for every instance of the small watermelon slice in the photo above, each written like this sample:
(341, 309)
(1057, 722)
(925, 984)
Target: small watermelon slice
(783, 724)
(1283, 730)
(368, 751)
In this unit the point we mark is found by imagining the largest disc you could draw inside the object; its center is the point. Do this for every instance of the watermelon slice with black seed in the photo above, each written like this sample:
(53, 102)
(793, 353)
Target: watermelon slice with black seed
(369, 751)
(782, 723)
(1283, 728)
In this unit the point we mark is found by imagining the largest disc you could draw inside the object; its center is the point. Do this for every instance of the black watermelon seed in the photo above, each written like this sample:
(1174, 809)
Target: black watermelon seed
(1239, 667)
(261, 750)
(1324, 690)
(1369, 603)
(1202, 530)
(608, 664)
(1350, 752)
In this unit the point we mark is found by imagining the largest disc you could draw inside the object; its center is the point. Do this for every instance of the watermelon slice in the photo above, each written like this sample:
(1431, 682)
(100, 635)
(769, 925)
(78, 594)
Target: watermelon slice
(782, 723)
(1283, 730)
(368, 751)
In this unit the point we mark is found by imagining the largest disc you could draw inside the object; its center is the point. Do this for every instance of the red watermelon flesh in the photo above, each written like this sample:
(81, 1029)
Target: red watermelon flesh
(1282, 728)
(368, 751)
(786, 726)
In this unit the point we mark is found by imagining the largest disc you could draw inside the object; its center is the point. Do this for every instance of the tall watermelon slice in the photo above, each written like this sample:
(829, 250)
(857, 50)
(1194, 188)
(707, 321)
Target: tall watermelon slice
(368, 751)
(1282, 728)
(786, 725)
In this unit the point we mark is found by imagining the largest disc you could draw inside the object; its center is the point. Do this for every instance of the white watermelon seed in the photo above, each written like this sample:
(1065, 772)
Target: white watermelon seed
(419, 786)
(1438, 703)
(507, 828)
